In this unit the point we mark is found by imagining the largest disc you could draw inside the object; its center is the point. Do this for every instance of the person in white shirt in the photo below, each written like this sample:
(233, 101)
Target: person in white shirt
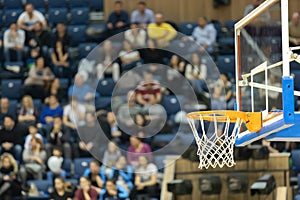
(205, 35)
(13, 42)
(74, 114)
(142, 15)
(29, 17)
(33, 132)
(136, 36)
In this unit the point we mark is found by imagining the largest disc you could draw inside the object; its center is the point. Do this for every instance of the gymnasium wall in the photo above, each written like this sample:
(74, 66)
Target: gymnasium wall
(189, 10)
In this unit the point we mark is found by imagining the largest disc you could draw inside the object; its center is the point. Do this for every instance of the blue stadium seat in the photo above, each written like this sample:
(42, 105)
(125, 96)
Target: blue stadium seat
(187, 27)
(38, 4)
(42, 186)
(171, 104)
(294, 65)
(11, 88)
(103, 103)
(96, 5)
(226, 64)
(105, 87)
(85, 49)
(67, 166)
(79, 16)
(77, 34)
(230, 25)
(57, 15)
(79, 3)
(218, 27)
(226, 46)
(57, 4)
(12, 4)
(72, 180)
(80, 165)
(11, 16)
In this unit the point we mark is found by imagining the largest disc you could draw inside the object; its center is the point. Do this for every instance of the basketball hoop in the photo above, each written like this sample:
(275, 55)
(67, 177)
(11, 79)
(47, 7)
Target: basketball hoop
(215, 148)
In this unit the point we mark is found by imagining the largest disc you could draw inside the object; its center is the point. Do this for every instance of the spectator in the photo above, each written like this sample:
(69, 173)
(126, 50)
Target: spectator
(74, 114)
(145, 179)
(90, 140)
(39, 81)
(129, 57)
(111, 154)
(218, 101)
(106, 64)
(196, 72)
(128, 110)
(118, 20)
(39, 36)
(56, 152)
(228, 92)
(60, 192)
(51, 111)
(113, 191)
(147, 87)
(176, 73)
(34, 160)
(142, 15)
(265, 16)
(294, 30)
(10, 182)
(58, 137)
(13, 43)
(12, 137)
(123, 173)
(28, 114)
(32, 56)
(205, 35)
(33, 132)
(59, 57)
(29, 17)
(136, 36)
(137, 148)
(161, 31)
(85, 191)
(81, 89)
(61, 35)
(95, 176)
(6, 109)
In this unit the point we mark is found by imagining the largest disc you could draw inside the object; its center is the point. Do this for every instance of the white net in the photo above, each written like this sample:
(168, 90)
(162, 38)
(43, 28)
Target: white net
(215, 148)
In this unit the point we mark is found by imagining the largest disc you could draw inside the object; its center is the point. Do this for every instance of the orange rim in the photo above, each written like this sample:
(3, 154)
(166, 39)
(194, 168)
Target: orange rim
(253, 120)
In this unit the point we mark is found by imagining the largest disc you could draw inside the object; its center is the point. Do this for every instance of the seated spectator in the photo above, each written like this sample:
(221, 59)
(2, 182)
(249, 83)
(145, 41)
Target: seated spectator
(196, 72)
(57, 153)
(85, 191)
(152, 54)
(113, 131)
(177, 69)
(34, 160)
(128, 110)
(50, 111)
(147, 87)
(129, 57)
(29, 17)
(145, 179)
(118, 20)
(33, 54)
(61, 35)
(142, 15)
(93, 173)
(136, 36)
(122, 173)
(294, 30)
(218, 101)
(106, 66)
(161, 31)
(269, 146)
(33, 132)
(89, 140)
(137, 148)
(81, 89)
(113, 191)
(39, 81)
(28, 114)
(59, 57)
(12, 138)
(39, 37)
(205, 35)
(111, 154)
(58, 137)
(74, 114)
(230, 100)
(60, 192)
(10, 181)
(6, 109)
(13, 43)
